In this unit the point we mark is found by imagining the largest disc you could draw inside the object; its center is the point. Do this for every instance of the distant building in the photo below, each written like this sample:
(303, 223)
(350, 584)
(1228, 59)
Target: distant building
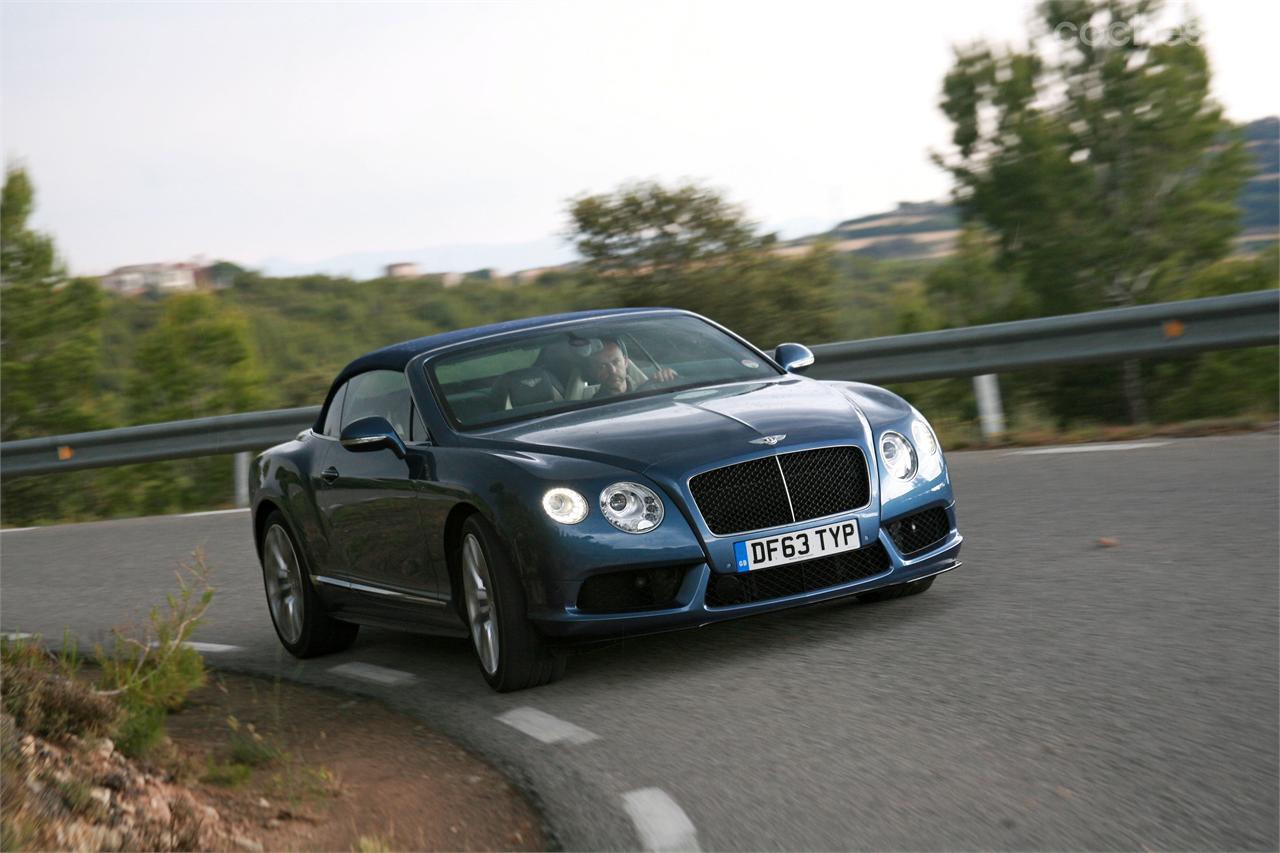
(151, 278)
(404, 269)
(451, 279)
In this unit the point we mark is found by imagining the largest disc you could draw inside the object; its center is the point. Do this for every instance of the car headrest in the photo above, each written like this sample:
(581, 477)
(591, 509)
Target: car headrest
(528, 386)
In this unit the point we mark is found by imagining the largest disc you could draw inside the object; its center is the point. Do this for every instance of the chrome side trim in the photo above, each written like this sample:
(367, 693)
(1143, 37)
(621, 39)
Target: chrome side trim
(379, 590)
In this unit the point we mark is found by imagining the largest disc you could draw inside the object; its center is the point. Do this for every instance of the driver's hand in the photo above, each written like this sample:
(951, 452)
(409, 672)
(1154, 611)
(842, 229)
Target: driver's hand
(666, 374)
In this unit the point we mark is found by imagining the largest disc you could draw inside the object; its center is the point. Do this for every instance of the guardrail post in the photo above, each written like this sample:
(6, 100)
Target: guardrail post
(986, 388)
(243, 460)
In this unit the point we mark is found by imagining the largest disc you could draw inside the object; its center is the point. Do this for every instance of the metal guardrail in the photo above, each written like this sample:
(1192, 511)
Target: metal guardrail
(153, 442)
(1147, 331)
(1144, 331)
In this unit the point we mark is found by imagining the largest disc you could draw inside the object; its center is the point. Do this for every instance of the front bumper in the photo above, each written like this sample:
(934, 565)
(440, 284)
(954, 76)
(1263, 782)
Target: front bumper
(692, 609)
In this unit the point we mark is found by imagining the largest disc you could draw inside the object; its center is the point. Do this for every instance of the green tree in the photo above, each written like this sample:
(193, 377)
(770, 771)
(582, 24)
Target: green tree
(50, 328)
(687, 247)
(1096, 157)
(50, 346)
(195, 362)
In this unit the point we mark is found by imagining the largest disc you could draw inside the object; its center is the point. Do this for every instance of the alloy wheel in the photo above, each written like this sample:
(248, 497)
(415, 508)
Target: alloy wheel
(478, 591)
(283, 578)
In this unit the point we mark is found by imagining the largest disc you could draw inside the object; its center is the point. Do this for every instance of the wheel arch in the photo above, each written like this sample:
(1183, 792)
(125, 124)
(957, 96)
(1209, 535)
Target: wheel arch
(260, 515)
(452, 542)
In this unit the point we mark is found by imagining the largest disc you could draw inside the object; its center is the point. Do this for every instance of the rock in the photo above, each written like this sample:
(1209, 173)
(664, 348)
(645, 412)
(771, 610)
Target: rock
(103, 748)
(262, 801)
(244, 843)
(157, 810)
(112, 839)
(101, 795)
(115, 780)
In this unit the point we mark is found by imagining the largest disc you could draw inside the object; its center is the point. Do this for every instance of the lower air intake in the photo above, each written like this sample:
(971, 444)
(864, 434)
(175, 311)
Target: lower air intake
(726, 590)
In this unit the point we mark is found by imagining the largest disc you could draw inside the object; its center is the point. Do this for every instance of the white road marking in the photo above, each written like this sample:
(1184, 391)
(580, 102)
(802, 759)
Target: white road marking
(211, 647)
(376, 674)
(1088, 448)
(545, 727)
(16, 635)
(660, 822)
(213, 512)
(202, 647)
(17, 529)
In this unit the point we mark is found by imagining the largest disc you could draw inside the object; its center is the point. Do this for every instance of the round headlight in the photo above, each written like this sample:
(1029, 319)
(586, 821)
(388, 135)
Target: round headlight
(564, 505)
(631, 507)
(898, 455)
(924, 438)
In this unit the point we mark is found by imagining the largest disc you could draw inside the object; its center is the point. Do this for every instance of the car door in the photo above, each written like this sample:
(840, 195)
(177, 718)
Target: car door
(370, 501)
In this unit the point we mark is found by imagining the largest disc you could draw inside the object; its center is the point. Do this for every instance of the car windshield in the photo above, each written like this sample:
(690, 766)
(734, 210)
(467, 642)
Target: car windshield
(589, 364)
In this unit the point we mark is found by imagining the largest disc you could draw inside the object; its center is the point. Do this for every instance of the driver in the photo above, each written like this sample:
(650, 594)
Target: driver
(609, 365)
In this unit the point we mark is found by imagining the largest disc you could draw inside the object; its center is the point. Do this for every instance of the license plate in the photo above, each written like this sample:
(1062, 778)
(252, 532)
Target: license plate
(784, 548)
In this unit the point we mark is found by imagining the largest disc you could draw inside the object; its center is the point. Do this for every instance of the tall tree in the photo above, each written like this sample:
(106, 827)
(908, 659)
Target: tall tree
(196, 361)
(688, 247)
(50, 348)
(50, 328)
(1097, 157)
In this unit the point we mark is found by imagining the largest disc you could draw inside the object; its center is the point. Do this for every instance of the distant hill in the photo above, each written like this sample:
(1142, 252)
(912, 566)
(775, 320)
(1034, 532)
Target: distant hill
(918, 230)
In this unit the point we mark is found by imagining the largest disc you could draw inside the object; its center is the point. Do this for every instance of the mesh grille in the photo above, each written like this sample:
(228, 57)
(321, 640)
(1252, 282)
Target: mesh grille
(826, 481)
(637, 589)
(917, 532)
(752, 495)
(794, 578)
(746, 496)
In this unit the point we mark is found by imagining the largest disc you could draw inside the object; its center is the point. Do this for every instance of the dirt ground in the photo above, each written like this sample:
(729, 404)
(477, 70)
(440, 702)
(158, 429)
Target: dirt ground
(313, 770)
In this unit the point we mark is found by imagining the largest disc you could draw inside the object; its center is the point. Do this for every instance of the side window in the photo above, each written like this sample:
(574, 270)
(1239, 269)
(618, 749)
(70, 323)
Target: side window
(384, 393)
(333, 418)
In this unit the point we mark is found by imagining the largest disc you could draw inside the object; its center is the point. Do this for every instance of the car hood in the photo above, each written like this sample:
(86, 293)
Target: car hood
(680, 431)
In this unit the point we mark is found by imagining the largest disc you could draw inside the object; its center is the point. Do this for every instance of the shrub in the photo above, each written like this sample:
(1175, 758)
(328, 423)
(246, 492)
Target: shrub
(44, 699)
(151, 669)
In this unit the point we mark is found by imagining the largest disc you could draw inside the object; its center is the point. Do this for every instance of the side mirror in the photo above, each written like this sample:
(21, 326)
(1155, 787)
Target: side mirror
(794, 358)
(372, 433)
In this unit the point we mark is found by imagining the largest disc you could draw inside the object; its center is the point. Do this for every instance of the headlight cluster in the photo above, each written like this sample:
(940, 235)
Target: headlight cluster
(630, 507)
(899, 454)
(564, 505)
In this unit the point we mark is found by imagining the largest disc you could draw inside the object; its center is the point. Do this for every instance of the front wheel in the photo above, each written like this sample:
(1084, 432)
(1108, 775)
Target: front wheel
(511, 652)
(303, 626)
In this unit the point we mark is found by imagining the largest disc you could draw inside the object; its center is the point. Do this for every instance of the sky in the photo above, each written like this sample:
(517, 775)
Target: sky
(325, 136)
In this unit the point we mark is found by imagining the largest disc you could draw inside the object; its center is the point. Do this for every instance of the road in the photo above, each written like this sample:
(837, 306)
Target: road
(1053, 693)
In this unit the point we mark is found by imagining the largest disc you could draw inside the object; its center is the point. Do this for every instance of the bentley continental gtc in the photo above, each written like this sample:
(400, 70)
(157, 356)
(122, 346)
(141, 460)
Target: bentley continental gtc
(546, 482)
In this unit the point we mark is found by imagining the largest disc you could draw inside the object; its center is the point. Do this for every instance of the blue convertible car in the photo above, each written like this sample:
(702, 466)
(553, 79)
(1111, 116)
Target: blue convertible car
(547, 481)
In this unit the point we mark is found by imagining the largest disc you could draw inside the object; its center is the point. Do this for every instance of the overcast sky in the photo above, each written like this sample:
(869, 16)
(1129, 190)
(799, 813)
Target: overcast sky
(267, 133)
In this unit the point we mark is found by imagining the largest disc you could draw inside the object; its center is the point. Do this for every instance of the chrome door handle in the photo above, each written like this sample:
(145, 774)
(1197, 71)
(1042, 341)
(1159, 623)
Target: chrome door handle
(329, 474)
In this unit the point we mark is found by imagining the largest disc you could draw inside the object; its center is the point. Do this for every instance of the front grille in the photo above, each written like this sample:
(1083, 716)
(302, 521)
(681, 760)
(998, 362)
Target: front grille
(753, 495)
(635, 589)
(919, 531)
(794, 578)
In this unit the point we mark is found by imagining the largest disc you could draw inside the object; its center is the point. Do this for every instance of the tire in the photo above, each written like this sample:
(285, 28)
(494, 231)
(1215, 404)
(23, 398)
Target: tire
(888, 593)
(512, 655)
(304, 627)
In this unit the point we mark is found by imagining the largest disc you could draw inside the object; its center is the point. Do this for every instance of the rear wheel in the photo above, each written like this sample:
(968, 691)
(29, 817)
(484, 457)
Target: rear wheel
(301, 623)
(511, 652)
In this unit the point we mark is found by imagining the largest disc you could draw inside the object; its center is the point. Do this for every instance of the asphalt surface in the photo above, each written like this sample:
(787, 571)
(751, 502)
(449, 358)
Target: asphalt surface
(1054, 693)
